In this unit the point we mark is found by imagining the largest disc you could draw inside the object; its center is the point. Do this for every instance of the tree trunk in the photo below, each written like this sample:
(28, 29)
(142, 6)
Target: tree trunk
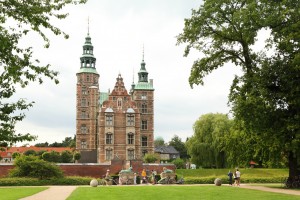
(293, 170)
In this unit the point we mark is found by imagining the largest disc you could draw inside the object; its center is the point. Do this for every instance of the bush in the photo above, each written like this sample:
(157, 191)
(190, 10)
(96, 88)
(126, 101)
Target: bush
(32, 166)
(179, 163)
(150, 158)
(74, 180)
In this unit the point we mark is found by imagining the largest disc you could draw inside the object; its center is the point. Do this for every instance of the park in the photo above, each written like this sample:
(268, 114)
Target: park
(246, 149)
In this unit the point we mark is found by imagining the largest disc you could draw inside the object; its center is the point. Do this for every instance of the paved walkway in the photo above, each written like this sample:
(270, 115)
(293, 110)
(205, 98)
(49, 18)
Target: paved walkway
(62, 192)
(53, 193)
(268, 189)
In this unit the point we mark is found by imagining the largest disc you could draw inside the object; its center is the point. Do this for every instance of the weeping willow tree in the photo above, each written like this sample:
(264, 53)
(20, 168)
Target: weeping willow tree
(206, 146)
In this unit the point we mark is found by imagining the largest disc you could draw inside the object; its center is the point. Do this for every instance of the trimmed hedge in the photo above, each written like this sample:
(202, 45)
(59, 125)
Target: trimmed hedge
(210, 180)
(36, 182)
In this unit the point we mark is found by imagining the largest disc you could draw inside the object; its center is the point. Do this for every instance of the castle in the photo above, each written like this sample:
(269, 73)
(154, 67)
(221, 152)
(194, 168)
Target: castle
(114, 124)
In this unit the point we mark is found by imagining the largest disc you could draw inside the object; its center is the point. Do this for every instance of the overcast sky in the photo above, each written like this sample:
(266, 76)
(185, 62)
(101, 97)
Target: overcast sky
(119, 29)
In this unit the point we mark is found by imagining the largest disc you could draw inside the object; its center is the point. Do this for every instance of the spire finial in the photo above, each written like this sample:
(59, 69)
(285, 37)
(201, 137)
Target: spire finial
(88, 25)
(133, 76)
(143, 52)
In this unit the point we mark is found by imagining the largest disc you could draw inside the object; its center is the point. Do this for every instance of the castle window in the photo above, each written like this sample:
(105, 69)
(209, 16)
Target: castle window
(144, 96)
(119, 102)
(83, 144)
(109, 138)
(88, 77)
(144, 141)
(83, 90)
(144, 108)
(109, 120)
(130, 138)
(108, 154)
(144, 125)
(130, 153)
(83, 115)
(83, 102)
(83, 129)
(144, 152)
(130, 120)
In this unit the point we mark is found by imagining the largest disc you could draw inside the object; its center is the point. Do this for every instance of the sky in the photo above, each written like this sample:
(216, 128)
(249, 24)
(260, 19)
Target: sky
(120, 30)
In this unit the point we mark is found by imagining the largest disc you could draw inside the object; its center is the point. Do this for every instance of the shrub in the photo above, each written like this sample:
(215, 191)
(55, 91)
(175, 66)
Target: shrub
(150, 158)
(32, 166)
(66, 157)
(76, 156)
(30, 152)
(179, 163)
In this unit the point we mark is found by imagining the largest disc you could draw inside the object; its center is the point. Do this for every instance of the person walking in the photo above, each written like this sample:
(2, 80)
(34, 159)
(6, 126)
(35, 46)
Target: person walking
(230, 175)
(238, 177)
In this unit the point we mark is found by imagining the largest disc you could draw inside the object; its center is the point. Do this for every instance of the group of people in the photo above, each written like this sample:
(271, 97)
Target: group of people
(236, 176)
(144, 179)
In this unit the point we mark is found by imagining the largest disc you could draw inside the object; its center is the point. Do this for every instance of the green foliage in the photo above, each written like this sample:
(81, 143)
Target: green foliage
(179, 146)
(179, 163)
(15, 155)
(76, 156)
(32, 166)
(73, 180)
(206, 146)
(30, 152)
(18, 67)
(66, 157)
(265, 98)
(159, 141)
(150, 158)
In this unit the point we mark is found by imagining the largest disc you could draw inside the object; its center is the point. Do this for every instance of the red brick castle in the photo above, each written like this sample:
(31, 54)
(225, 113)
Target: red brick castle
(114, 124)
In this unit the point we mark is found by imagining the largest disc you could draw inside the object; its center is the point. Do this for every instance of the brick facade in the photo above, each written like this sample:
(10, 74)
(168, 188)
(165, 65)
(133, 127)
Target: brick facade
(117, 124)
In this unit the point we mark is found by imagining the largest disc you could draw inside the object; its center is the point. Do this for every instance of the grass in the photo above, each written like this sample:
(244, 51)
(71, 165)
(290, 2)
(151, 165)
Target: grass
(174, 193)
(19, 192)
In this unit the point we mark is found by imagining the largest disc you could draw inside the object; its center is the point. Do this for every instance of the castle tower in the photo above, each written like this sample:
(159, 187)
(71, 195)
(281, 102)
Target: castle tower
(143, 95)
(87, 104)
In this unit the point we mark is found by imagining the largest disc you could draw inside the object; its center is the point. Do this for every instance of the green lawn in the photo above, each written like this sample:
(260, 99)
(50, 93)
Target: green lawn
(19, 192)
(174, 193)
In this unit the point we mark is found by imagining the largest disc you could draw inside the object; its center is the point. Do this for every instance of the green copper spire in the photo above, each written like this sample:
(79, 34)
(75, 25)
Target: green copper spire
(87, 60)
(143, 74)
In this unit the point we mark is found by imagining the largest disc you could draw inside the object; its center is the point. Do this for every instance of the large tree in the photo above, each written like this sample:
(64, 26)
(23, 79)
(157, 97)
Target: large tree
(18, 67)
(206, 146)
(266, 97)
(179, 146)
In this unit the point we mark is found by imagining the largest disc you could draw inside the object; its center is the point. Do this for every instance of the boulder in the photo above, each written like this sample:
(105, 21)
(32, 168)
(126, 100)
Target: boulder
(218, 182)
(94, 183)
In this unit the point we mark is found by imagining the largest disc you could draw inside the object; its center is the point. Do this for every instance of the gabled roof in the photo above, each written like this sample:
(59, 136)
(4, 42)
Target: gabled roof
(166, 150)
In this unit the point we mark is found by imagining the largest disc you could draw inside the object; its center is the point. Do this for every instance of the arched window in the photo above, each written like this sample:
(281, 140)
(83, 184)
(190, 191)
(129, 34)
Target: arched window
(119, 102)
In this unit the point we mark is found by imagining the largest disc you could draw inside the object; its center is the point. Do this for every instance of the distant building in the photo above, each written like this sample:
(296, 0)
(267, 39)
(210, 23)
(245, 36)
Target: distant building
(167, 152)
(114, 124)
